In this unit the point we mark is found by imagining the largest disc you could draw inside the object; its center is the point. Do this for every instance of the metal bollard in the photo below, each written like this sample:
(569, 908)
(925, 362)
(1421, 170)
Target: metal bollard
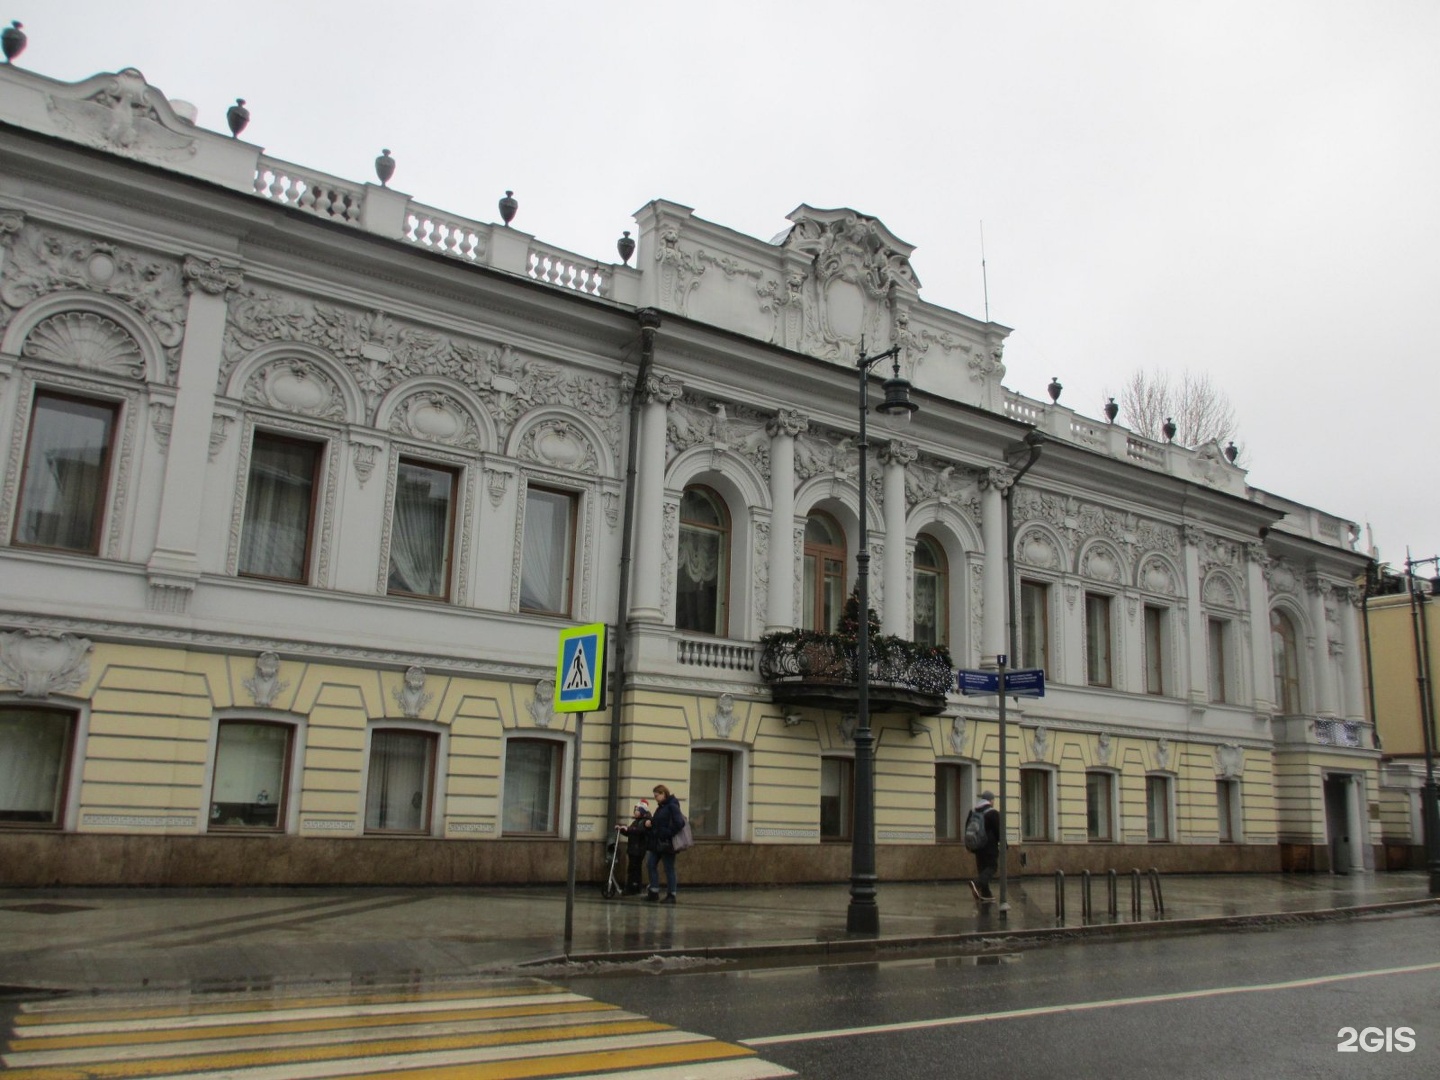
(1155, 895)
(1060, 896)
(1114, 883)
(1085, 912)
(1135, 893)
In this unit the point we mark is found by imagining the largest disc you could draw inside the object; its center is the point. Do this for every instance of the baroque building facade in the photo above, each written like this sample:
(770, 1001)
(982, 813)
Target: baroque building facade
(302, 478)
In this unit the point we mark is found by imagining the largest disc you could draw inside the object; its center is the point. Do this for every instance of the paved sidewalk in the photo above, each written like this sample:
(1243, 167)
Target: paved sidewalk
(87, 940)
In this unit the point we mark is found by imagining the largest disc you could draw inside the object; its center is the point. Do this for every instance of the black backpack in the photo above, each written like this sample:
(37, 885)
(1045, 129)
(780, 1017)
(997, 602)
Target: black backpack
(975, 836)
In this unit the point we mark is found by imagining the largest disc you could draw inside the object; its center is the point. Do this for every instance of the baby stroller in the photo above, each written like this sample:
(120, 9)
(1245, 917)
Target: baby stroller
(612, 888)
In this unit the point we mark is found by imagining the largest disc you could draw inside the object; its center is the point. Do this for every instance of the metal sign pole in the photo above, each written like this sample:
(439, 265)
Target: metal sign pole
(1004, 773)
(574, 830)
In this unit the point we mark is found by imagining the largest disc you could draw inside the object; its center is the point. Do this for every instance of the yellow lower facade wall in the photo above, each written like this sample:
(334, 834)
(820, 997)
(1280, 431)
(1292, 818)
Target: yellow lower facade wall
(148, 718)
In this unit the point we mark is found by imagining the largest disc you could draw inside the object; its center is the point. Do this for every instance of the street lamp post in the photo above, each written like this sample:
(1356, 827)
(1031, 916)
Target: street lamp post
(1429, 803)
(1031, 446)
(863, 914)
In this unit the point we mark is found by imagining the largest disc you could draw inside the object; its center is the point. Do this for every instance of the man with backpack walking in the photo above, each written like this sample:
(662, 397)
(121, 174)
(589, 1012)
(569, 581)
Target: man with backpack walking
(982, 836)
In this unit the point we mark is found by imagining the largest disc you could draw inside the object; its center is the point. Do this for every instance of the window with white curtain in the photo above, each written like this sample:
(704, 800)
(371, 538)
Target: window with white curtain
(252, 770)
(67, 471)
(1217, 638)
(1227, 807)
(954, 796)
(532, 787)
(421, 530)
(702, 584)
(547, 557)
(1157, 808)
(1035, 816)
(1286, 658)
(1099, 806)
(1035, 625)
(1156, 647)
(932, 587)
(1097, 639)
(837, 796)
(35, 747)
(279, 508)
(712, 775)
(399, 790)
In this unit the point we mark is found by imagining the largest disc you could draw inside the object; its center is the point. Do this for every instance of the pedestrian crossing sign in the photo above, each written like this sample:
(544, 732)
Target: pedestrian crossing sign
(580, 672)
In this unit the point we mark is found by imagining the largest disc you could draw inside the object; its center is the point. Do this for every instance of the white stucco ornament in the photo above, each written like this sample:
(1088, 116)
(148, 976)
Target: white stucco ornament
(39, 663)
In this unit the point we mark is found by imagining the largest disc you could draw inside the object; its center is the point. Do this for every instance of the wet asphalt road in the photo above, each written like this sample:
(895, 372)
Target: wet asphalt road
(1266, 1004)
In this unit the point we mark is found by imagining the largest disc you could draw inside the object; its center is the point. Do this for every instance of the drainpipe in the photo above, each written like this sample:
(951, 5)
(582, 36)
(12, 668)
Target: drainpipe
(649, 320)
(1372, 579)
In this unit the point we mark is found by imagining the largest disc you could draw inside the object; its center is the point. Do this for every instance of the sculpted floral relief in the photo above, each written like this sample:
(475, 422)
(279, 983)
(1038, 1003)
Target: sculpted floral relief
(51, 261)
(86, 340)
(296, 386)
(381, 353)
(692, 421)
(122, 113)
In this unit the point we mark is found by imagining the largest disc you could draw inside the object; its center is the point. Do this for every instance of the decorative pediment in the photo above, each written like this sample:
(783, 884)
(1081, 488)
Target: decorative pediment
(86, 340)
(296, 386)
(124, 114)
(434, 416)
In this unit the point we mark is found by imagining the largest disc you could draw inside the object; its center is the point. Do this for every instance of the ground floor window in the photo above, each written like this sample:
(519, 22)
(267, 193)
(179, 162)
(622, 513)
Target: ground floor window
(954, 795)
(252, 767)
(1035, 802)
(711, 776)
(35, 747)
(399, 790)
(1157, 808)
(1227, 804)
(1099, 806)
(837, 787)
(532, 787)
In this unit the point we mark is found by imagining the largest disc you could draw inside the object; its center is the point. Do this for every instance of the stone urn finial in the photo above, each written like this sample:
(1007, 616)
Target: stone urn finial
(237, 116)
(508, 205)
(13, 40)
(626, 246)
(384, 167)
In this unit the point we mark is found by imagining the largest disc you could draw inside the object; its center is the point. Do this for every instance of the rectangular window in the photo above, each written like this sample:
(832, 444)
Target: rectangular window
(1035, 804)
(1099, 806)
(35, 746)
(1097, 639)
(1156, 644)
(1034, 625)
(421, 531)
(711, 776)
(252, 768)
(399, 792)
(1227, 805)
(547, 557)
(1157, 808)
(1217, 636)
(67, 473)
(279, 508)
(837, 786)
(953, 799)
(532, 787)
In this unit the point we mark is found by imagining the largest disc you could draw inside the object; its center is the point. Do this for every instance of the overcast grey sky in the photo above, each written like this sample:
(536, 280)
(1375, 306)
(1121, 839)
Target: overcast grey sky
(1250, 189)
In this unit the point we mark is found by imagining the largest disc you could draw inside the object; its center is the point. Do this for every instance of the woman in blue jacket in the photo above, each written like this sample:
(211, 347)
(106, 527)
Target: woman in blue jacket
(663, 825)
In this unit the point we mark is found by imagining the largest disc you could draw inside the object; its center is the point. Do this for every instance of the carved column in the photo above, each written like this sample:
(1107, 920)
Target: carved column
(780, 606)
(1317, 591)
(1262, 663)
(174, 566)
(895, 616)
(994, 628)
(1196, 632)
(1351, 634)
(11, 222)
(657, 392)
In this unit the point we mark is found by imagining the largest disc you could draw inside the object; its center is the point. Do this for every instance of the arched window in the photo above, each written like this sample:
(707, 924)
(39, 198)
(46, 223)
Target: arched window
(1286, 658)
(824, 574)
(702, 585)
(932, 589)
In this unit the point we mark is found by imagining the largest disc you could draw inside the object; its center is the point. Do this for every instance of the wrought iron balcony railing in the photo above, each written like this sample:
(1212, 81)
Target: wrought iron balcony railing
(808, 668)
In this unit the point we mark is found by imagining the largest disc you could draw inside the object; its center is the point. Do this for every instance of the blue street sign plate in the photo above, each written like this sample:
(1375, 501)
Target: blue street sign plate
(972, 682)
(1023, 682)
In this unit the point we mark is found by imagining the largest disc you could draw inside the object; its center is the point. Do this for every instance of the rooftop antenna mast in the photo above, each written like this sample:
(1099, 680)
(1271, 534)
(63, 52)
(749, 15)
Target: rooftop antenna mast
(984, 278)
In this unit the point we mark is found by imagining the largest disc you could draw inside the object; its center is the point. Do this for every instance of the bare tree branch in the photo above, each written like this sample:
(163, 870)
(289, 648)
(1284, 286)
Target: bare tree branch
(1200, 410)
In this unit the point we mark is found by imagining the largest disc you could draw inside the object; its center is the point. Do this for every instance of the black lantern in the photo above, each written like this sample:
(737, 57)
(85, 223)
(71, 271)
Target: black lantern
(1111, 411)
(1054, 388)
(237, 116)
(12, 40)
(1169, 429)
(508, 206)
(384, 167)
(626, 247)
